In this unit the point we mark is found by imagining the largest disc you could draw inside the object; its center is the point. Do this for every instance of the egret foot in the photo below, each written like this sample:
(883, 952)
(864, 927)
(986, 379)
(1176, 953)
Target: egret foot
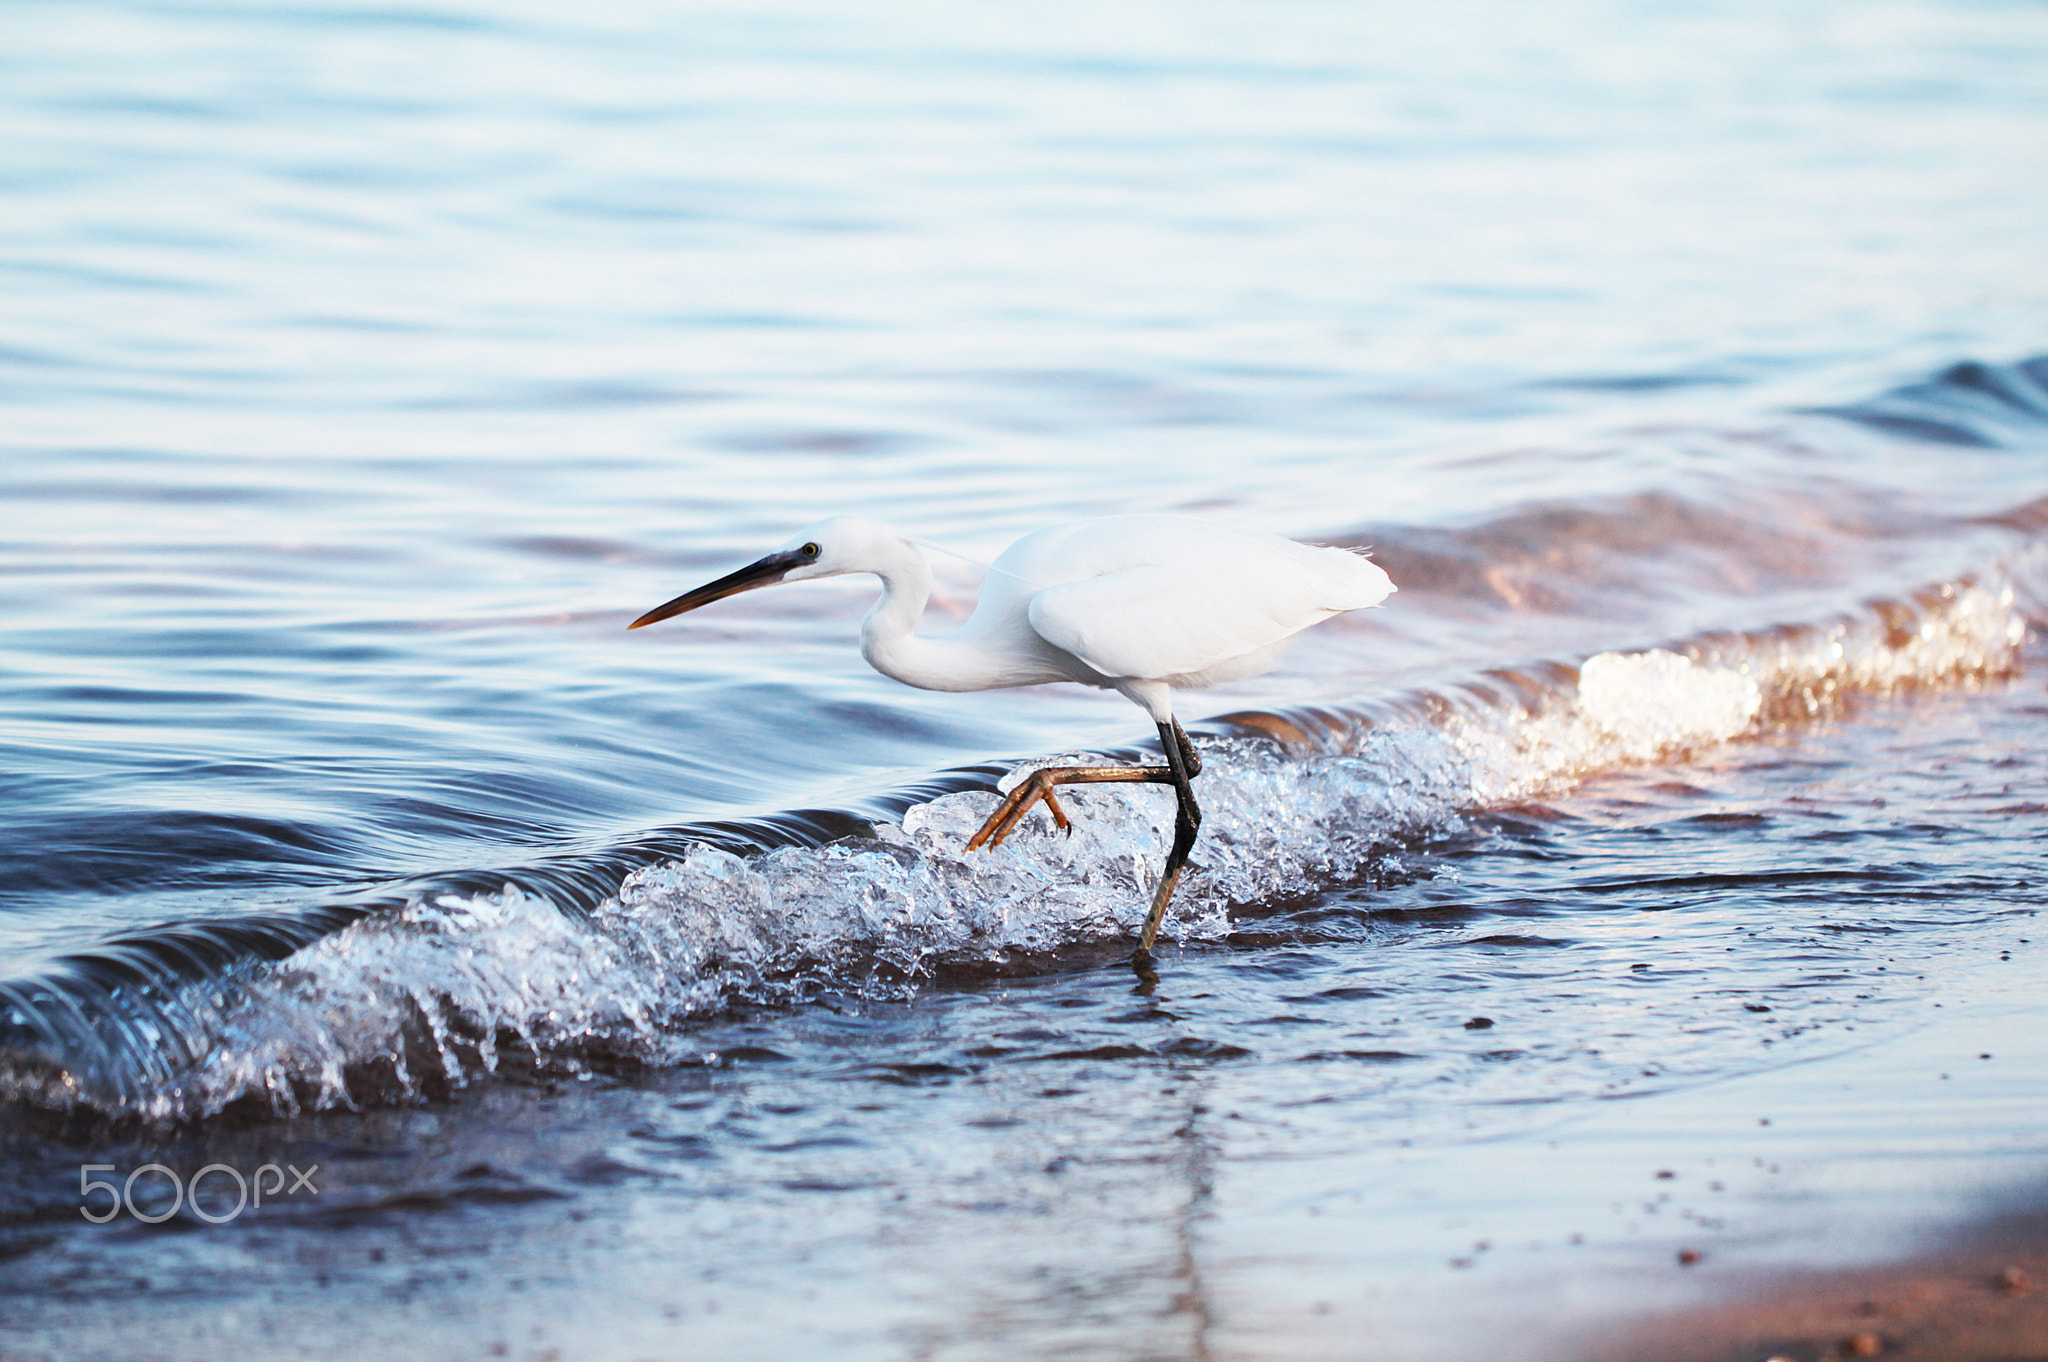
(1182, 762)
(1040, 784)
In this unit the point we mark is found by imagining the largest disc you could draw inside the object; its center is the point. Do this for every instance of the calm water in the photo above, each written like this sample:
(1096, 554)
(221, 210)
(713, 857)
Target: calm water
(365, 369)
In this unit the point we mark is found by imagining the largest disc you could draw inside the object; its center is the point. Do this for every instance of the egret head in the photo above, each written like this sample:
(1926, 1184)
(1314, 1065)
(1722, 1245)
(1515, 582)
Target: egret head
(841, 544)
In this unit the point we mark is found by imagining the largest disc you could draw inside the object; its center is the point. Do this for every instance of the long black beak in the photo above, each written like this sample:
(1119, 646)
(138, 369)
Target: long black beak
(767, 572)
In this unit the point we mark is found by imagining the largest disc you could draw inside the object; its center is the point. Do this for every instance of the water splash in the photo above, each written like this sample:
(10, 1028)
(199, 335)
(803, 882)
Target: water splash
(1630, 709)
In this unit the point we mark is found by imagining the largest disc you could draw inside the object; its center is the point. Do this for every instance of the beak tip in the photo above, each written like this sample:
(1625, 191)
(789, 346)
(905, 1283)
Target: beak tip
(766, 572)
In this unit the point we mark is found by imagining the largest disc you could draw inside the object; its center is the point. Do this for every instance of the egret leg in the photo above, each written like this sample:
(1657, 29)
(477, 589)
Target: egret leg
(1188, 755)
(1183, 764)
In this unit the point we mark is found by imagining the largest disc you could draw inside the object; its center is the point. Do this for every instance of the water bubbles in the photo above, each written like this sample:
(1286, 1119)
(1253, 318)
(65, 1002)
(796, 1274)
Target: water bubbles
(451, 986)
(1631, 708)
(1654, 702)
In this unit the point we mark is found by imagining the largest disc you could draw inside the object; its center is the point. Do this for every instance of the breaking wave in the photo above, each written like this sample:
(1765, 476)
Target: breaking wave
(603, 957)
(456, 982)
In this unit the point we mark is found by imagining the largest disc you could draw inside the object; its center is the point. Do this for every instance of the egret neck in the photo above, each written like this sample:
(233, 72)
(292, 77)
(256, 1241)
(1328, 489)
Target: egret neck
(889, 638)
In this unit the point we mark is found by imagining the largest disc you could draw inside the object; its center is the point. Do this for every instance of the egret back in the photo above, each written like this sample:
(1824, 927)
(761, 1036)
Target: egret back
(1190, 602)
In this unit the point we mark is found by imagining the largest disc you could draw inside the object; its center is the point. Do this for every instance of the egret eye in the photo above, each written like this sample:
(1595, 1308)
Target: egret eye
(810, 550)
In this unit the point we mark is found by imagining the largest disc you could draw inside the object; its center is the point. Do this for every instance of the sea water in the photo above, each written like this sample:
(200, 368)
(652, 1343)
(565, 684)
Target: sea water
(366, 369)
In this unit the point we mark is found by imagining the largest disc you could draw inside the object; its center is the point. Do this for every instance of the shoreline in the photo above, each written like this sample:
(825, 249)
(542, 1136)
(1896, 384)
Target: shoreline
(1982, 1297)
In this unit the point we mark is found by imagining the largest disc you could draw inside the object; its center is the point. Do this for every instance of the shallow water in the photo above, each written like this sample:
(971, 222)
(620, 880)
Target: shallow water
(366, 370)
(1773, 1007)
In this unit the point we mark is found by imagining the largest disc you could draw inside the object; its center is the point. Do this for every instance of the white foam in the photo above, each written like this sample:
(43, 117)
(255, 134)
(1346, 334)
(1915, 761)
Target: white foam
(1634, 708)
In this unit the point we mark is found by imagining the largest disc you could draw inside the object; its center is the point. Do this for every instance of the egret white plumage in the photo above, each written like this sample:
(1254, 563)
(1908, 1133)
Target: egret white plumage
(1138, 604)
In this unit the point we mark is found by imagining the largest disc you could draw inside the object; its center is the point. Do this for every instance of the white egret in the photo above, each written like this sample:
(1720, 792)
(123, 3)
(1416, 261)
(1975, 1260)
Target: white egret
(1138, 604)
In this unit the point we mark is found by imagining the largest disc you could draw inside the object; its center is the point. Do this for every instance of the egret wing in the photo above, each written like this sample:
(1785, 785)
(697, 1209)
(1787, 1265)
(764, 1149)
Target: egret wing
(1178, 620)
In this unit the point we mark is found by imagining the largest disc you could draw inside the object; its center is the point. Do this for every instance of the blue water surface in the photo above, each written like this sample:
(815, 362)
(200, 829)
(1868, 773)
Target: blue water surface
(366, 367)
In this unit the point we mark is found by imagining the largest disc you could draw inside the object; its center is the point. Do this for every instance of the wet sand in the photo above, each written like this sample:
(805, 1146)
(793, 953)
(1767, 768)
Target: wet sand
(1980, 1300)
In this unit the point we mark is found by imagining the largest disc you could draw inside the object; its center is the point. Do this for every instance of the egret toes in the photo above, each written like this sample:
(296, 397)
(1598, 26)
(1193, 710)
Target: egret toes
(1039, 786)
